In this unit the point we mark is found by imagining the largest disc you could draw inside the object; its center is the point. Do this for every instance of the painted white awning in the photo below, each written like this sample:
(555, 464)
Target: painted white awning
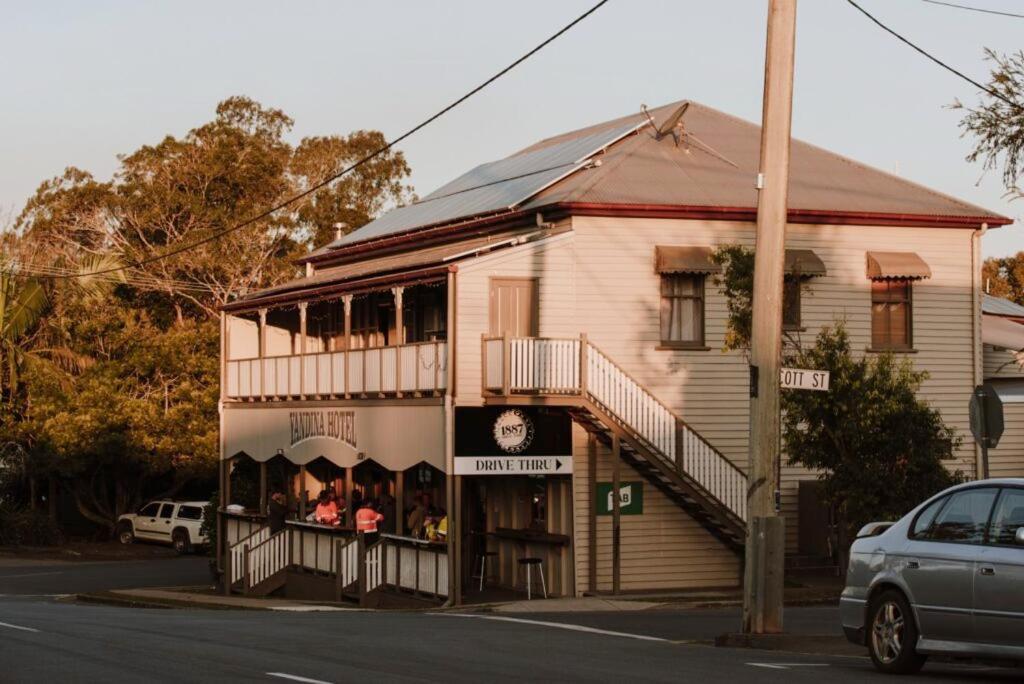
(395, 435)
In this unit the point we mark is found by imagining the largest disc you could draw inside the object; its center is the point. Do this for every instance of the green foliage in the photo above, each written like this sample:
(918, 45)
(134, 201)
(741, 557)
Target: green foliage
(118, 375)
(1004, 277)
(879, 447)
(27, 528)
(737, 284)
(996, 125)
(209, 526)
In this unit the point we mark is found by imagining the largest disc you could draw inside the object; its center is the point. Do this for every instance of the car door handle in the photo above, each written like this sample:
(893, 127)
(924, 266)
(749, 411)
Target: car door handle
(987, 571)
(913, 565)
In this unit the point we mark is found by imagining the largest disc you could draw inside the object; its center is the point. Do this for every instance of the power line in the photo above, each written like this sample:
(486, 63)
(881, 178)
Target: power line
(975, 9)
(327, 181)
(935, 59)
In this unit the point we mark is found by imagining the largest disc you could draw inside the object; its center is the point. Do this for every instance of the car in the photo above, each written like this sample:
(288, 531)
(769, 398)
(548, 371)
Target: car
(947, 579)
(178, 523)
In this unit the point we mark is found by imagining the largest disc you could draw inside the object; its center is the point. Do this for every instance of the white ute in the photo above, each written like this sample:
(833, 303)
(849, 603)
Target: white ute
(177, 523)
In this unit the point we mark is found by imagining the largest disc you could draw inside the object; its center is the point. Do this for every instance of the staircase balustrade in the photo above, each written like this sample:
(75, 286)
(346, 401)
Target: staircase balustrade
(575, 366)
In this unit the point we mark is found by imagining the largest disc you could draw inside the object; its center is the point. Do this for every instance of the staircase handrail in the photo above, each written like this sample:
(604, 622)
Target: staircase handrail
(679, 419)
(260, 557)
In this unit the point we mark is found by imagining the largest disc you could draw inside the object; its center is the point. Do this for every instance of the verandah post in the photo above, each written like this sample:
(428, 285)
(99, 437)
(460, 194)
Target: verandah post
(361, 569)
(506, 363)
(583, 365)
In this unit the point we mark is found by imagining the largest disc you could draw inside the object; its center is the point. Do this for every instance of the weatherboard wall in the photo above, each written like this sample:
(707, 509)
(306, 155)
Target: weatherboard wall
(617, 295)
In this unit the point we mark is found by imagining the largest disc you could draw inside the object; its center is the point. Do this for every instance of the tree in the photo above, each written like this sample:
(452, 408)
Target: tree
(119, 374)
(1004, 277)
(736, 283)
(219, 175)
(134, 423)
(997, 124)
(879, 448)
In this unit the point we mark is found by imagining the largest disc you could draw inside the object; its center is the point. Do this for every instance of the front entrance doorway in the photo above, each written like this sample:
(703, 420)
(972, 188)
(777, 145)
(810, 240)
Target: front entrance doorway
(510, 518)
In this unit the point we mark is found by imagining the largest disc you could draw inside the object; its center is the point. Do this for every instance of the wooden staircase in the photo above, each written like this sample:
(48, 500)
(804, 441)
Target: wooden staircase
(605, 400)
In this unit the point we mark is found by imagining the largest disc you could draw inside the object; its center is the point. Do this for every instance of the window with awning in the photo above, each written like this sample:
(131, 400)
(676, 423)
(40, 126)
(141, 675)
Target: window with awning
(897, 265)
(892, 320)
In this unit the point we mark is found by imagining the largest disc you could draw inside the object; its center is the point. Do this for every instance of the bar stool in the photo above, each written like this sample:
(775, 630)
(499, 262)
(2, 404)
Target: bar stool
(531, 562)
(483, 557)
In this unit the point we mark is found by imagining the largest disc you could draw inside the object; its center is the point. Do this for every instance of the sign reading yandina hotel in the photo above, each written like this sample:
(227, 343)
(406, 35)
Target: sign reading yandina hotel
(394, 436)
(506, 440)
(338, 425)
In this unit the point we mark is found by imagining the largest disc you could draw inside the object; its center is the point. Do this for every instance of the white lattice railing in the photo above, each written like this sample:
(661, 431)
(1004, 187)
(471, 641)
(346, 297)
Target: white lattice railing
(418, 367)
(575, 366)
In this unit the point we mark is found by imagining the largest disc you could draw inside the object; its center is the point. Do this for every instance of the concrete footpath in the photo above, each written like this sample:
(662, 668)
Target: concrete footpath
(183, 597)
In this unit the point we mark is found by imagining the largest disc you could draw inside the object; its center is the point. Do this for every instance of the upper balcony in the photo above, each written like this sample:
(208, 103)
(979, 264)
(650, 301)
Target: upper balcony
(349, 347)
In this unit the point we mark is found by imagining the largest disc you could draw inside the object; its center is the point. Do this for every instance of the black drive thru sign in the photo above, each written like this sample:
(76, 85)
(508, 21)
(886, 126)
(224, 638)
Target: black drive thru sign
(507, 440)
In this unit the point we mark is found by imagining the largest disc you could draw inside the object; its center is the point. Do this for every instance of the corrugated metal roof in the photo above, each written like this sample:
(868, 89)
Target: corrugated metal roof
(642, 169)
(493, 187)
(394, 263)
(1002, 332)
(645, 170)
(1001, 307)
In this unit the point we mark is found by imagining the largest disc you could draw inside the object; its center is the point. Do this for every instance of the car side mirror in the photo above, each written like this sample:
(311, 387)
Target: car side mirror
(1019, 536)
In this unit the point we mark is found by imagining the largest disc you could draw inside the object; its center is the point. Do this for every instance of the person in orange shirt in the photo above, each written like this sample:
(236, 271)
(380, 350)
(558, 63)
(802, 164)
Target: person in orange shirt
(367, 518)
(327, 509)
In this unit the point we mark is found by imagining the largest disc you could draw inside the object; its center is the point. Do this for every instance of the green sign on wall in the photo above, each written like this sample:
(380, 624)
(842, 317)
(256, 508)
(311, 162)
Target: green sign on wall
(631, 498)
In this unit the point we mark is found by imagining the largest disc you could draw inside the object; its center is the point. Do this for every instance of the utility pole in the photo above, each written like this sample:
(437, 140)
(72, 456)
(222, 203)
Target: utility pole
(764, 566)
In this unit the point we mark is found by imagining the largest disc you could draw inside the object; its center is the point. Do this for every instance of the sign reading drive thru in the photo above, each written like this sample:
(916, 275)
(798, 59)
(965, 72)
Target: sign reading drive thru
(803, 378)
(512, 441)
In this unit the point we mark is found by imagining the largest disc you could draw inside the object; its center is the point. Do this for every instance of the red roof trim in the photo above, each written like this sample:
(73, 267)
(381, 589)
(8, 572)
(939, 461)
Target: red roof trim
(357, 286)
(714, 213)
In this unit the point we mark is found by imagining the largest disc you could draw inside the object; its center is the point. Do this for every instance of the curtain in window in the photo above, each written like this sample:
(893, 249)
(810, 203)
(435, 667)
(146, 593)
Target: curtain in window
(682, 308)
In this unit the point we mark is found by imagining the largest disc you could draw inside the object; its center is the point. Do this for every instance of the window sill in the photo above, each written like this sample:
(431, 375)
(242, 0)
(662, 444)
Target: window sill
(682, 346)
(873, 350)
(794, 328)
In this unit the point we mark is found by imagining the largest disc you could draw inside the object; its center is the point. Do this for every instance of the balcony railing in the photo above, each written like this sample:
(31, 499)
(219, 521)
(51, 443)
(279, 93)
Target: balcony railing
(574, 366)
(408, 369)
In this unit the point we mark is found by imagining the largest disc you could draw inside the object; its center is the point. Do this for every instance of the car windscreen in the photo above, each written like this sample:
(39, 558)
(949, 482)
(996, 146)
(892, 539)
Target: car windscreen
(150, 510)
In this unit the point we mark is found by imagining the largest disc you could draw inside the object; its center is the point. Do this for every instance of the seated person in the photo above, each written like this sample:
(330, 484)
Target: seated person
(327, 509)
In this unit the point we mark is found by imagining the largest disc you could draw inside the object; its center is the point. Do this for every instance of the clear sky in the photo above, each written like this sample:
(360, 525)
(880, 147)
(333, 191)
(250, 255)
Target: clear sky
(85, 81)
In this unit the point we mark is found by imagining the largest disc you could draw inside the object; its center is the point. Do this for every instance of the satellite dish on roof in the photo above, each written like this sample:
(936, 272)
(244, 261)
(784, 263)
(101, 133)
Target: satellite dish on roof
(669, 125)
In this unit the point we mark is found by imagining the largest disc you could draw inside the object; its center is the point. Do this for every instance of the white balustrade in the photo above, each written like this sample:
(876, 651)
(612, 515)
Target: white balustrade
(268, 558)
(556, 366)
(419, 367)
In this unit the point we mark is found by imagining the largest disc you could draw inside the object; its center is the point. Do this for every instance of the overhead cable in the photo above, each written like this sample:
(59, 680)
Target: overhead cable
(330, 179)
(942, 64)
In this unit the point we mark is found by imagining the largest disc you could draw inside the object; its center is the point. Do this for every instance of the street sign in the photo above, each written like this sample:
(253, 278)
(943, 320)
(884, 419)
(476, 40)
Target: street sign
(631, 498)
(513, 465)
(804, 378)
(986, 411)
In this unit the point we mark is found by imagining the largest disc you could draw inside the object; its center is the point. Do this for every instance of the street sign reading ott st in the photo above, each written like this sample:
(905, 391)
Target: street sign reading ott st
(803, 378)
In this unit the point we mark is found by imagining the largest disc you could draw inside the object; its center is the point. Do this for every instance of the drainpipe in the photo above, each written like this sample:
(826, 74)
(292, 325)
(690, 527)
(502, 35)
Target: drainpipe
(977, 348)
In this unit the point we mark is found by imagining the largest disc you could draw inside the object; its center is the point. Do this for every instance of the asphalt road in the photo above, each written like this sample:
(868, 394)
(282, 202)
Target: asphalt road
(32, 577)
(43, 640)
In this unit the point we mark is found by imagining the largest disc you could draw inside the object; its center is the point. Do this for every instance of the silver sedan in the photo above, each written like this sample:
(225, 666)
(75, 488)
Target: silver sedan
(947, 579)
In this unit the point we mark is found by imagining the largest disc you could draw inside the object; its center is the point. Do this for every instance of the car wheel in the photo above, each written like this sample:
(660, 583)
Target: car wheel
(181, 543)
(893, 634)
(125, 535)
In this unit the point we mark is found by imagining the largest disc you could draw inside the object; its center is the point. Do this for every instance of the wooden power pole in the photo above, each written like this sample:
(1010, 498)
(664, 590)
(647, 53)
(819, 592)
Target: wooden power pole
(764, 566)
